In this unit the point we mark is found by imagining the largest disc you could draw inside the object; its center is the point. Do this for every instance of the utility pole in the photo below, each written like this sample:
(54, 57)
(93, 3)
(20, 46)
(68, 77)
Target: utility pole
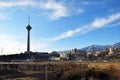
(46, 71)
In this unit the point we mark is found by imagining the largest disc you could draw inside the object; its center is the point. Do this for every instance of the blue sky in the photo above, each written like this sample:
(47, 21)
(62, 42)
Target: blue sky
(58, 24)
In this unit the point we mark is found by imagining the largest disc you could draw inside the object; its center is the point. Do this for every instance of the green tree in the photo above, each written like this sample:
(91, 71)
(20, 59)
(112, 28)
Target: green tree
(55, 54)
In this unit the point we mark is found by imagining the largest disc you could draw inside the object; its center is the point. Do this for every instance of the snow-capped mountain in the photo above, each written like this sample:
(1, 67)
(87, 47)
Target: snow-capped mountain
(95, 48)
(99, 47)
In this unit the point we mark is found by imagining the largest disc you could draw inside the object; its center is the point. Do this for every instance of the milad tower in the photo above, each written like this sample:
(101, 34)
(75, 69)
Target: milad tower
(28, 35)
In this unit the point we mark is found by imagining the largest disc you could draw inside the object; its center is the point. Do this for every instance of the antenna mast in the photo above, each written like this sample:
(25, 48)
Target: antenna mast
(28, 20)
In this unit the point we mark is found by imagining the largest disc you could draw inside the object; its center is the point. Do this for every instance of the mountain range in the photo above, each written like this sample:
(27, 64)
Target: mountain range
(99, 47)
(95, 47)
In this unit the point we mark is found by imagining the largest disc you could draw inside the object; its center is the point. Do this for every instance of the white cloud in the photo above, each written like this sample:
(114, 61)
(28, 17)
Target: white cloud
(66, 34)
(4, 14)
(16, 3)
(101, 22)
(96, 24)
(57, 10)
(53, 8)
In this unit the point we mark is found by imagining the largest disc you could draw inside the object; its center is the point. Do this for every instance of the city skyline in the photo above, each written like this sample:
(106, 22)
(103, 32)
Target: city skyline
(58, 25)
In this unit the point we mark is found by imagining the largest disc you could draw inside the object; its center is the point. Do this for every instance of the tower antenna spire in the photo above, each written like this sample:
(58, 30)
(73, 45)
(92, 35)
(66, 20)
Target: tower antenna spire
(28, 20)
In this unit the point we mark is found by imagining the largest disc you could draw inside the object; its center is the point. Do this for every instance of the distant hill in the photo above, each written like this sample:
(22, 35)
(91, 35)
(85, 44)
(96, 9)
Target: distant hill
(65, 51)
(95, 47)
(117, 45)
(99, 47)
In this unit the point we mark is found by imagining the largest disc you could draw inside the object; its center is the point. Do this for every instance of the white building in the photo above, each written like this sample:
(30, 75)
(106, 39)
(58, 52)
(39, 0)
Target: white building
(64, 56)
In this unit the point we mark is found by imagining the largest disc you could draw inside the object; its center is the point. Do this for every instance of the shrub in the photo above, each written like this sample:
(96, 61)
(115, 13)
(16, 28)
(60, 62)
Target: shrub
(113, 72)
(97, 74)
(73, 71)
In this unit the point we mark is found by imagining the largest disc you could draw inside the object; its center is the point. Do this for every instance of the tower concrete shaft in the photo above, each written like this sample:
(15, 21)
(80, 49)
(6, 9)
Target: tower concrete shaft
(28, 37)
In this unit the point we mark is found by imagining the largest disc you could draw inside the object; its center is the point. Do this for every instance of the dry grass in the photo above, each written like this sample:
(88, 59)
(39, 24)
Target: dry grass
(113, 69)
(73, 71)
(102, 65)
(29, 78)
(94, 70)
